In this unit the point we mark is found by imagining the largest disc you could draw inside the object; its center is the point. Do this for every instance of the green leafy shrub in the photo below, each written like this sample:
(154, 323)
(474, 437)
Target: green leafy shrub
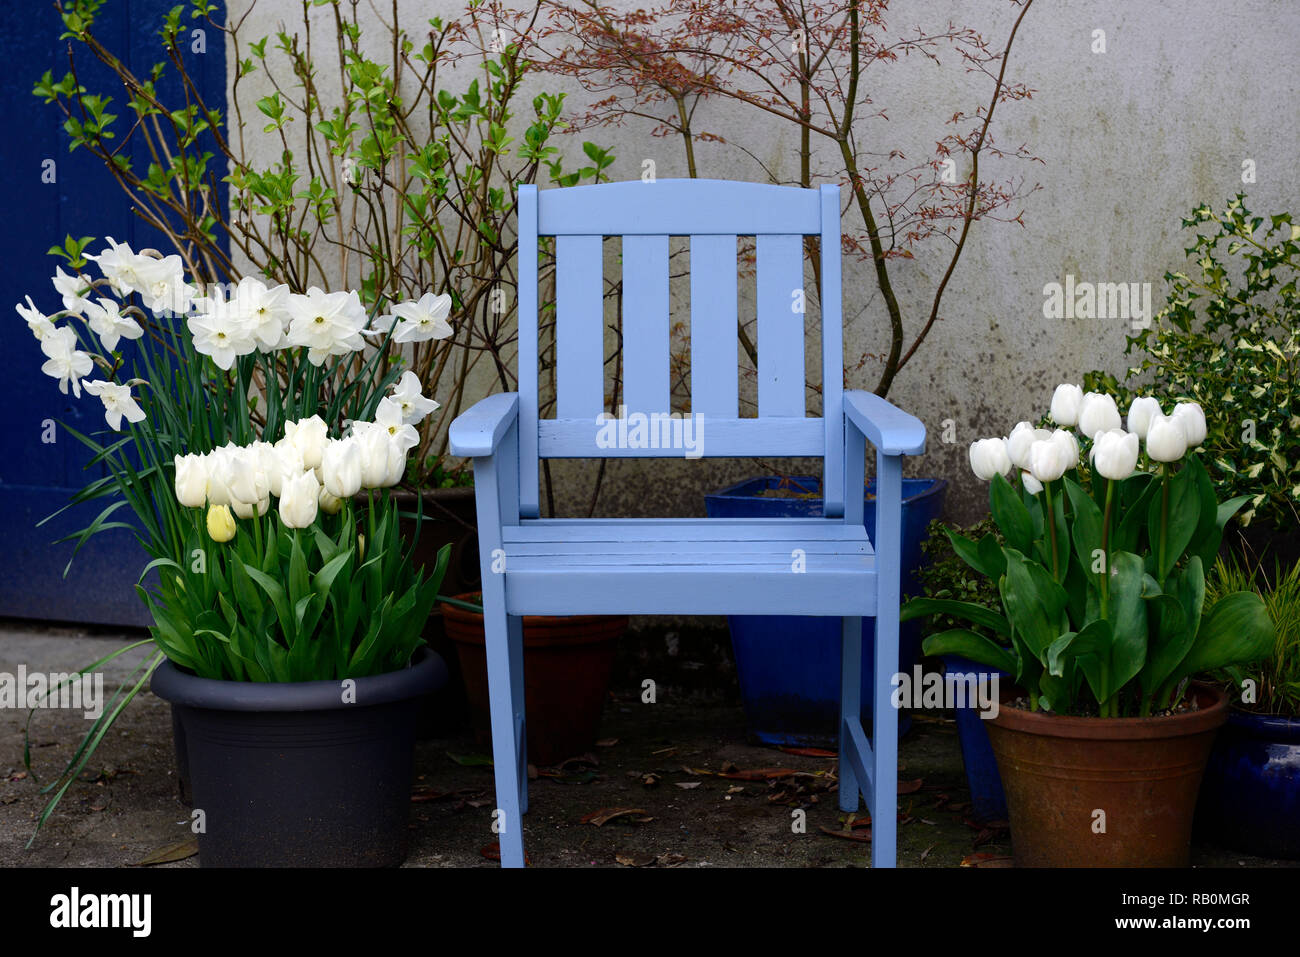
(946, 576)
(1227, 337)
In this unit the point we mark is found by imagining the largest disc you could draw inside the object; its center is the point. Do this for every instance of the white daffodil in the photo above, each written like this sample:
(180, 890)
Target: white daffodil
(40, 325)
(264, 309)
(425, 318)
(388, 416)
(106, 321)
(65, 362)
(327, 323)
(164, 289)
(72, 289)
(219, 331)
(126, 270)
(118, 403)
(406, 393)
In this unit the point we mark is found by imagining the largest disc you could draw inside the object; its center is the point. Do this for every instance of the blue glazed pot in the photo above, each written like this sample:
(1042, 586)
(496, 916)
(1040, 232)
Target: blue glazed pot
(988, 803)
(1250, 796)
(789, 665)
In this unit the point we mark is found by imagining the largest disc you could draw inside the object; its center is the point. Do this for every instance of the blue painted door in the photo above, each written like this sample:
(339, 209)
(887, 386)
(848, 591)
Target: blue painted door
(43, 203)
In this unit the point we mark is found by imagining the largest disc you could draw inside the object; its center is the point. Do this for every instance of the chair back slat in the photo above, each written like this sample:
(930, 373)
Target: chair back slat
(715, 349)
(781, 310)
(645, 324)
(579, 332)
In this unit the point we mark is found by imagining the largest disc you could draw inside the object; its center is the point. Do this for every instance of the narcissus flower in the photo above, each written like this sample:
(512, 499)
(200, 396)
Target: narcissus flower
(72, 289)
(423, 319)
(126, 270)
(38, 323)
(221, 524)
(106, 321)
(118, 403)
(219, 331)
(406, 393)
(327, 323)
(264, 310)
(65, 362)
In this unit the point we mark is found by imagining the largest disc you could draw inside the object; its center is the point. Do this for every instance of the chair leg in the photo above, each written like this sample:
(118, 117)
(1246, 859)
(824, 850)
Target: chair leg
(884, 719)
(850, 709)
(505, 666)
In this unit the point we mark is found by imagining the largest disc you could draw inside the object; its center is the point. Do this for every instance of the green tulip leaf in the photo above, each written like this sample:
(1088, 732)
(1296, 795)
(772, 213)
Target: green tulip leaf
(967, 644)
(976, 614)
(1127, 615)
(1237, 630)
(1034, 602)
(1011, 516)
(1172, 517)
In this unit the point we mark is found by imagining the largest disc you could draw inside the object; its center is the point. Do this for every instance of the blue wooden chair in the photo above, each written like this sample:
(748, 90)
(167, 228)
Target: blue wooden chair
(692, 566)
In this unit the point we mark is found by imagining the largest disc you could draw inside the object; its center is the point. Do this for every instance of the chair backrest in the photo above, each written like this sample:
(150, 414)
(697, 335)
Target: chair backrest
(712, 213)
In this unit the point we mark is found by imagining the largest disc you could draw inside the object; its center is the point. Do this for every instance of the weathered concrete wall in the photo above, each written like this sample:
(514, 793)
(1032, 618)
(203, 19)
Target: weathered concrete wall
(1131, 139)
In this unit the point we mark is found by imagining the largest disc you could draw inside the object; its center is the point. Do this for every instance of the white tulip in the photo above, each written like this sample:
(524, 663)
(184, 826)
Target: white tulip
(340, 467)
(191, 481)
(1098, 413)
(1166, 439)
(217, 465)
(287, 462)
(1115, 453)
(1069, 445)
(1066, 401)
(1140, 413)
(1193, 419)
(309, 437)
(259, 507)
(1032, 484)
(374, 442)
(1049, 459)
(299, 500)
(248, 481)
(988, 457)
(1021, 438)
(330, 504)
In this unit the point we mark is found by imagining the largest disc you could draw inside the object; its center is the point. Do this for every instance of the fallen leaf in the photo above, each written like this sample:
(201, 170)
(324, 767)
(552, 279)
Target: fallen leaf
(471, 760)
(987, 860)
(493, 852)
(669, 859)
(859, 836)
(687, 785)
(170, 853)
(758, 774)
(640, 860)
(606, 742)
(926, 852)
(810, 752)
(669, 751)
(650, 780)
(607, 814)
(909, 787)
(736, 789)
(422, 794)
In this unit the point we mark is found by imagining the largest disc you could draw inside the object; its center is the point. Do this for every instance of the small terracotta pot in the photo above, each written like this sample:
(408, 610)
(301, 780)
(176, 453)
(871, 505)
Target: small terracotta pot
(567, 664)
(1141, 774)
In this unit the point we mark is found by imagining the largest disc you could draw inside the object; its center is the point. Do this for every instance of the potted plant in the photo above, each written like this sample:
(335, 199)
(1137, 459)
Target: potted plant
(245, 419)
(1250, 798)
(567, 664)
(791, 689)
(946, 577)
(1102, 742)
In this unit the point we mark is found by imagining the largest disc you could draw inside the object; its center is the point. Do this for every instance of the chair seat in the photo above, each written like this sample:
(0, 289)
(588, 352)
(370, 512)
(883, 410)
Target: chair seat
(762, 566)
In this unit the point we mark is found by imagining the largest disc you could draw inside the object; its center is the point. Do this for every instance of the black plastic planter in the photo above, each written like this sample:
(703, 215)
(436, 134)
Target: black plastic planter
(309, 774)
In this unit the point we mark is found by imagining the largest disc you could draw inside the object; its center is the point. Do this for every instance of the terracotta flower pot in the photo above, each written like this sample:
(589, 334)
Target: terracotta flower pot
(1104, 792)
(567, 663)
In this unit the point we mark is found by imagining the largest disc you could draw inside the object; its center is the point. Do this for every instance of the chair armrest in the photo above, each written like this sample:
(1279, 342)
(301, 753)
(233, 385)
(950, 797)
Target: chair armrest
(890, 429)
(478, 431)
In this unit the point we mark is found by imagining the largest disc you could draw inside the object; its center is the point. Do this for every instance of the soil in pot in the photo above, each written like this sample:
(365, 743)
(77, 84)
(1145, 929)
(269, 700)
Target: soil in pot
(1104, 792)
(567, 664)
(302, 774)
(1250, 798)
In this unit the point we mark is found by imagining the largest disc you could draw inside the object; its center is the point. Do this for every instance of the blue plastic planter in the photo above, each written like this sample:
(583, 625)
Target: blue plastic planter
(988, 803)
(1250, 795)
(789, 665)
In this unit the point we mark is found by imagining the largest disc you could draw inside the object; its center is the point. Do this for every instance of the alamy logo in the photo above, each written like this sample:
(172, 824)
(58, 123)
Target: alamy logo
(655, 430)
(934, 691)
(76, 910)
(78, 692)
(1130, 301)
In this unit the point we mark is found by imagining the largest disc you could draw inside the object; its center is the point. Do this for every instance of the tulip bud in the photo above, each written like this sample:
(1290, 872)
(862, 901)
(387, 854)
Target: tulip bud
(1193, 419)
(1140, 413)
(191, 481)
(1066, 401)
(1098, 413)
(341, 467)
(988, 457)
(249, 509)
(1031, 484)
(299, 500)
(330, 504)
(1049, 459)
(1018, 442)
(1115, 454)
(1166, 439)
(221, 524)
(309, 437)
